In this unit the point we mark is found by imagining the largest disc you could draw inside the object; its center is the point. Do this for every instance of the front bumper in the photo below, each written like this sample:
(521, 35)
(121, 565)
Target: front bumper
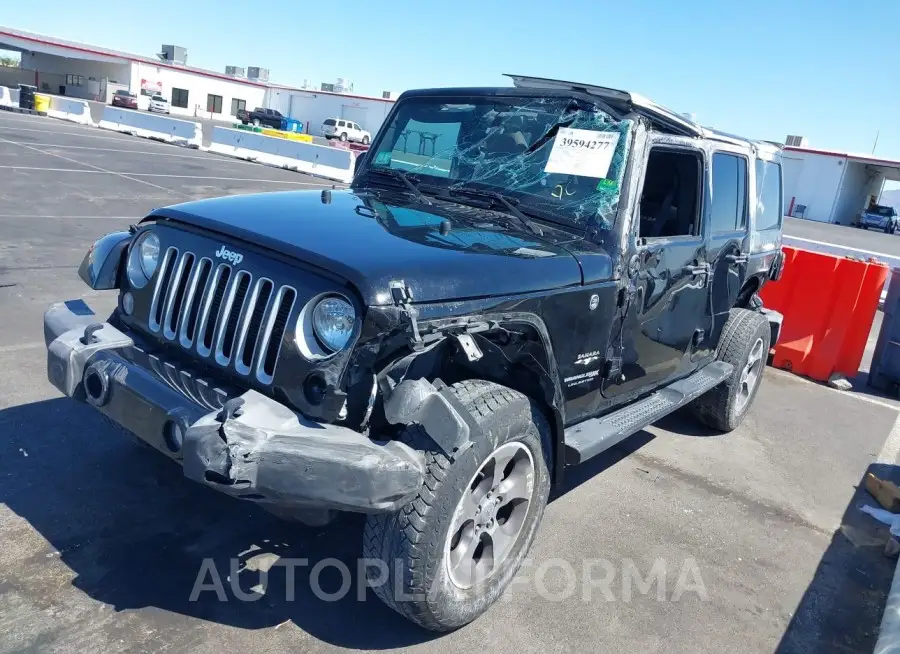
(264, 452)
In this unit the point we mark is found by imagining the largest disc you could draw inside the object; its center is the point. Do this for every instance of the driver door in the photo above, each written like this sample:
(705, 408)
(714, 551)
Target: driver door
(667, 318)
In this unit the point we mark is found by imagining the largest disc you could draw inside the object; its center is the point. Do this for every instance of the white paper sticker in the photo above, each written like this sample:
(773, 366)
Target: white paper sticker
(582, 152)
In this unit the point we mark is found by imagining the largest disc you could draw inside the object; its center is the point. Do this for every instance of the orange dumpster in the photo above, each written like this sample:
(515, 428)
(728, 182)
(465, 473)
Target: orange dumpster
(828, 303)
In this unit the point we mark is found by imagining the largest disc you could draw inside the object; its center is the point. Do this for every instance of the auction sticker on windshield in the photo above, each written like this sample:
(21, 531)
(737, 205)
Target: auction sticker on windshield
(582, 152)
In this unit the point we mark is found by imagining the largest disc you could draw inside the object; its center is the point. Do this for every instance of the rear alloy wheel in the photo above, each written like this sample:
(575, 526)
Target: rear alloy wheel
(344, 136)
(256, 122)
(744, 344)
(450, 553)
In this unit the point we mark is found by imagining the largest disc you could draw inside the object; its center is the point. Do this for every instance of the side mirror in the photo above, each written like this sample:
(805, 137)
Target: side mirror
(360, 158)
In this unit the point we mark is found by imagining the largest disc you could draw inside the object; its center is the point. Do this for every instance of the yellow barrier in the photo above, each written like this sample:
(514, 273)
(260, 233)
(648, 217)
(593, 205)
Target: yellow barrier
(291, 136)
(41, 102)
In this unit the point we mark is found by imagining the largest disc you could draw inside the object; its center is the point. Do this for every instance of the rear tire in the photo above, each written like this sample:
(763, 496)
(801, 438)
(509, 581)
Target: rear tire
(344, 137)
(438, 572)
(744, 344)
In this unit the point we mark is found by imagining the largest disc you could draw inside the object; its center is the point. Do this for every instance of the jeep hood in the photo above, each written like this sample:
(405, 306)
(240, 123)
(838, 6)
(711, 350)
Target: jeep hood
(371, 241)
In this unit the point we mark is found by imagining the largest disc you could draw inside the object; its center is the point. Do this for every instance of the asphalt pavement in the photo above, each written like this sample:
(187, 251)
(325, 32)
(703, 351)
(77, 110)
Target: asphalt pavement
(869, 240)
(678, 540)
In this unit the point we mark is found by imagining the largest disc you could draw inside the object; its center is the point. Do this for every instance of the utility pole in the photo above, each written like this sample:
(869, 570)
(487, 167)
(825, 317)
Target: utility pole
(877, 134)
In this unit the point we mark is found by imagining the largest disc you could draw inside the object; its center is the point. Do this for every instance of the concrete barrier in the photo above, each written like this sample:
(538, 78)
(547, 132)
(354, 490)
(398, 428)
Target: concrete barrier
(290, 136)
(71, 109)
(153, 126)
(6, 97)
(320, 160)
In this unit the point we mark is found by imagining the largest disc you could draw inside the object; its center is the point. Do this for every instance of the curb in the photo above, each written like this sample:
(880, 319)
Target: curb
(889, 632)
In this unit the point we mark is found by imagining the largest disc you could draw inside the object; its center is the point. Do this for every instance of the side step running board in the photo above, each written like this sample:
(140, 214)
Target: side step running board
(591, 437)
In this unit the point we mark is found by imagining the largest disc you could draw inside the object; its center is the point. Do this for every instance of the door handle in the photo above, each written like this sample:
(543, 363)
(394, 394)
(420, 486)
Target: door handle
(736, 258)
(696, 270)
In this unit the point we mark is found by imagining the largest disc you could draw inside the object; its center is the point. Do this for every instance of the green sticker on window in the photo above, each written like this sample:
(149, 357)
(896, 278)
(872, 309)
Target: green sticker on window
(607, 184)
(383, 158)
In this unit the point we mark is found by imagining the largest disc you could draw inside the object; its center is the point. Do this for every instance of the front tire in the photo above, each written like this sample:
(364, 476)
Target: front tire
(744, 344)
(365, 140)
(452, 551)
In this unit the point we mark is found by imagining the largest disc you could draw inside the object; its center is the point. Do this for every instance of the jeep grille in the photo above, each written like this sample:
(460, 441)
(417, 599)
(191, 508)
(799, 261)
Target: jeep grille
(219, 313)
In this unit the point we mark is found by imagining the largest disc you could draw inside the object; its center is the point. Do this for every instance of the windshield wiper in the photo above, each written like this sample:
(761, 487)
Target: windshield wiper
(508, 204)
(393, 173)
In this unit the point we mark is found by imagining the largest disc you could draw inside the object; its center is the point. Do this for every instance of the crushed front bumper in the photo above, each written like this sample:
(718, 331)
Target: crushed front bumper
(255, 449)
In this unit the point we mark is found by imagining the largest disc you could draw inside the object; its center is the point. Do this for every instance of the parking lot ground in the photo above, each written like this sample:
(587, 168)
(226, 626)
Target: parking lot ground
(869, 240)
(678, 540)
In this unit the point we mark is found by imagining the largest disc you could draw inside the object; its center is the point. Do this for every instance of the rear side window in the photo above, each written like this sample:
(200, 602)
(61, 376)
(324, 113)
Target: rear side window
(330, 122)
(728, 209)
(768, 195)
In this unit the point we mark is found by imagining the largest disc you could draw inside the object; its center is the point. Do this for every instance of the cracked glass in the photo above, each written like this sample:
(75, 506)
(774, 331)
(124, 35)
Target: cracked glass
(561, 158)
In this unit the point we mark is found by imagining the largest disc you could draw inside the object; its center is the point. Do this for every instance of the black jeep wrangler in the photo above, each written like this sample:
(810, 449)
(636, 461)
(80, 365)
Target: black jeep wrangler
(517, 280)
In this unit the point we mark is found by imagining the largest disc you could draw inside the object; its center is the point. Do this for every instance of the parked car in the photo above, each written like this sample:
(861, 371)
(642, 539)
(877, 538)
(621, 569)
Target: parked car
(159, 104)
(880, 217)
(126, 99)
(261, 116)
(434, 350)
(345, 130)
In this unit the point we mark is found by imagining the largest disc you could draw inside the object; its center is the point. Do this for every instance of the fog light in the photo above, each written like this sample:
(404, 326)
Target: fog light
(173, 435)
(314, 389)
(128, 303)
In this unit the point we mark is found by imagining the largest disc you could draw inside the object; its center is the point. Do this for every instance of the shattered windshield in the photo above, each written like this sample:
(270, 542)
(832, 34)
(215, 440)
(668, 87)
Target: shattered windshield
(562, 159)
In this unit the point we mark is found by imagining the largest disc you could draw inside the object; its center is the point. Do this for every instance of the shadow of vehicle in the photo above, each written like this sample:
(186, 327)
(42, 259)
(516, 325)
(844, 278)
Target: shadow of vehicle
(841, 609)
(138, 534)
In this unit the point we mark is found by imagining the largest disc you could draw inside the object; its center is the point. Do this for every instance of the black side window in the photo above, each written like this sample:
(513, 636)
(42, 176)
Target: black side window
(768, 195)
(180, 98)
(669, 200)
(728, 208)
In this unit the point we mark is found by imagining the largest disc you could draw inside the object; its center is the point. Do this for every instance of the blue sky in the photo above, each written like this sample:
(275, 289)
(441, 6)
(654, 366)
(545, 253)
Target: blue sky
(764, 68)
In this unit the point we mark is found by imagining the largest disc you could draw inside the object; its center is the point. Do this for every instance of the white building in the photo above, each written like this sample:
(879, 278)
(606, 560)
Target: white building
(313, 107)
(830, 186)
(94, 73)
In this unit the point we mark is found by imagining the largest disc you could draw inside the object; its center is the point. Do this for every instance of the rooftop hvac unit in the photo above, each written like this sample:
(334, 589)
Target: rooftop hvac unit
(387, 95)
(328, 88)
(173, 54)
(796, 141)
(261, 74)
(236, 71)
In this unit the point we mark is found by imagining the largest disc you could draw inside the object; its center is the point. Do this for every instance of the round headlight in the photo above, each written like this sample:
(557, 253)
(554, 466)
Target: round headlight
(332, 322)
(149, 247)
(143, 260)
